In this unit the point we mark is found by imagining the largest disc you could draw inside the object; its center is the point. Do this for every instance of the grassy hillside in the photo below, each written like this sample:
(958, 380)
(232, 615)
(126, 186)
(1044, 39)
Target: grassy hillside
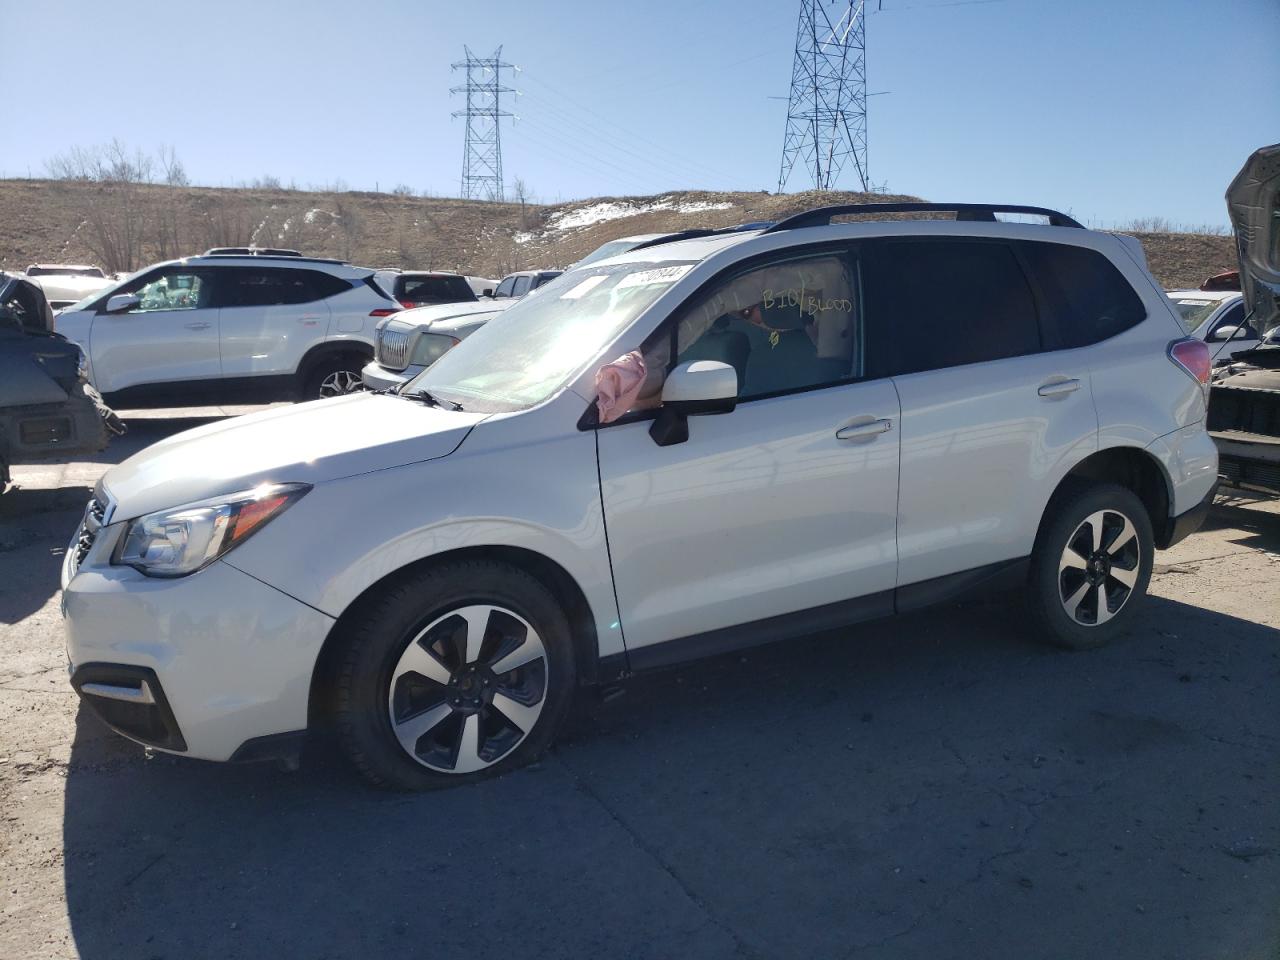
(126, 228)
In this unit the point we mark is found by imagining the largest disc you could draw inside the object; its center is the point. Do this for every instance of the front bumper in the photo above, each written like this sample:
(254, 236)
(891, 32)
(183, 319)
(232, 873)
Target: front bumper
(378, 377)
(222, 658)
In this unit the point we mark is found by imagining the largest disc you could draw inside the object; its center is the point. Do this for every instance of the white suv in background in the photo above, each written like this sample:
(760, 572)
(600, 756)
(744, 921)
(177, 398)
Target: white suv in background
(230, 327)
(688, 448)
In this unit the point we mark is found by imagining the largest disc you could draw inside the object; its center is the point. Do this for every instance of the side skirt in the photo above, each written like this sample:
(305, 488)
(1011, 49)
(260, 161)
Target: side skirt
(992, 578)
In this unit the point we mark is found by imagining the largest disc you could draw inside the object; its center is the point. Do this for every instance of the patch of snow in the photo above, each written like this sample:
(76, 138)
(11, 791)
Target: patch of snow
(524, 236)
(311, 215)
(607, 210)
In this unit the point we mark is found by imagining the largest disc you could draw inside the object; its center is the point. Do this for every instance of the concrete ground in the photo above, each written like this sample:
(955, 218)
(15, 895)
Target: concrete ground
(935, 786)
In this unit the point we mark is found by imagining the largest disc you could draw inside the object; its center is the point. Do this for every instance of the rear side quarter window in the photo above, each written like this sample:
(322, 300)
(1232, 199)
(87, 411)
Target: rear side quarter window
(1086, 299)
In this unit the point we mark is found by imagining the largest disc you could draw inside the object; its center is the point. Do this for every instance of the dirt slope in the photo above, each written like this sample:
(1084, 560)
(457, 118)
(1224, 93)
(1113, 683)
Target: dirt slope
(44, 220)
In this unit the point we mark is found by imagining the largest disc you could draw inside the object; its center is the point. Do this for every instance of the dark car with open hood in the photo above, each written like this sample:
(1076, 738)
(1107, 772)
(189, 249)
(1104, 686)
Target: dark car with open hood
(1244, 403)
(47, 408)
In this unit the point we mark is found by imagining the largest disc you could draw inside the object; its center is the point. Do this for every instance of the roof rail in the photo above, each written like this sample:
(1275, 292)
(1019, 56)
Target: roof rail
(283, 257)
(251, 252)
(694, 234)
(821, 216)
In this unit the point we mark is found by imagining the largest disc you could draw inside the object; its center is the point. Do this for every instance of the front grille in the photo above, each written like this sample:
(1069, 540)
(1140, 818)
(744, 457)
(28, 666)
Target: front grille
(393, 348)
(95, 513)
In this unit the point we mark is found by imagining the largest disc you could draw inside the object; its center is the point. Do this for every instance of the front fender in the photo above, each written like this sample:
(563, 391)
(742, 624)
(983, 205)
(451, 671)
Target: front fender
(348, 534)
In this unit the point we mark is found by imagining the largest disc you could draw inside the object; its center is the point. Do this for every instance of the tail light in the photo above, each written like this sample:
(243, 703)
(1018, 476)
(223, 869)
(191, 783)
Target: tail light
(1192, 355)
(384, 311)
(408, 304)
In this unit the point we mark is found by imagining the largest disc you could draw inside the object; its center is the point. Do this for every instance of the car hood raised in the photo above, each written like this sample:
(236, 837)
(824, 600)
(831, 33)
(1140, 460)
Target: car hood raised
(306, 443)
(1253, 202)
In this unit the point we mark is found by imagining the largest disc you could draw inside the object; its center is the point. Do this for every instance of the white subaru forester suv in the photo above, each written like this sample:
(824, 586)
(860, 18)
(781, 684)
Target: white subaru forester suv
(688, 448)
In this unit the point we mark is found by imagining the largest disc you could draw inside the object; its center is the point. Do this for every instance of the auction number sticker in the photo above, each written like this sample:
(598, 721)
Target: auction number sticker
(644, 278)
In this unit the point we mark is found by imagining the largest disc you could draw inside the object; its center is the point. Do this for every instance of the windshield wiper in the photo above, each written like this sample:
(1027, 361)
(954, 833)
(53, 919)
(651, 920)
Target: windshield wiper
(433, 401)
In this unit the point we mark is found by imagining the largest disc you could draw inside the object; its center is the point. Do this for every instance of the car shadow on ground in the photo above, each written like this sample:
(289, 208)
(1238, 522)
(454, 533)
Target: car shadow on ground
(1260, 529)
(937, 785)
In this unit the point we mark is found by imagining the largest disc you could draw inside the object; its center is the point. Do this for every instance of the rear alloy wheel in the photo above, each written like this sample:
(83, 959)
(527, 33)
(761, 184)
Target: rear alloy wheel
(455, 673)
(1099, 567)
(333, 377)
(1091, 564)
(340, 382)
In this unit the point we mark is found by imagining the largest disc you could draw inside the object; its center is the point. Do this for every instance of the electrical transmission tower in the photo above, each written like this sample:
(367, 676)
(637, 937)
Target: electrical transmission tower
(827, 108)
(482, 151)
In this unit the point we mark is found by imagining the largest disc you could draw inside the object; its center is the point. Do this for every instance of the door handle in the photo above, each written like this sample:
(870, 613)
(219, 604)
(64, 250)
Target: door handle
(864, 431)
(198, 325)
(1058, 388)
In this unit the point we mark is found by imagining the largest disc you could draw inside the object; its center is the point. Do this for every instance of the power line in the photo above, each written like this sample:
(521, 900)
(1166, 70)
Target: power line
(482, 148)
(827, 106)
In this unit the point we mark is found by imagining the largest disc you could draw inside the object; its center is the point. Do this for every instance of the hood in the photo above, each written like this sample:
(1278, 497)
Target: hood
(307, 442)
(1253, 203)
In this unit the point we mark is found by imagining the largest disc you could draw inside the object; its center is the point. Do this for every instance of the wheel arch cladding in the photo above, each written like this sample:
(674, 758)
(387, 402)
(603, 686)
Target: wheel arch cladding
(549, 573)
(329, 350)
(1132, 468)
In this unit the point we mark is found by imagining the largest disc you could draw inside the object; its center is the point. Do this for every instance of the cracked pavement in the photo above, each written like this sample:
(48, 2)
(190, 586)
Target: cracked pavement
(938, 786)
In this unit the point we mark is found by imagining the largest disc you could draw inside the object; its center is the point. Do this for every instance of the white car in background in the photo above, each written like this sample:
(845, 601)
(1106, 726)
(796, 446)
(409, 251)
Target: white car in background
(67, 283)
(412, 340)
(230, 327)
(1217, 318)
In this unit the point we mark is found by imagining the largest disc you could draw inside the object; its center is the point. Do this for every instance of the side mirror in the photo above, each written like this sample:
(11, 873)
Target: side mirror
(693, 389)
(1229, 332)
(121, 302)
(487, 292)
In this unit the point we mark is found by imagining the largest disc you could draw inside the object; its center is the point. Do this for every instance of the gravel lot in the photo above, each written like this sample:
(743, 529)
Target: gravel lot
(935, 786)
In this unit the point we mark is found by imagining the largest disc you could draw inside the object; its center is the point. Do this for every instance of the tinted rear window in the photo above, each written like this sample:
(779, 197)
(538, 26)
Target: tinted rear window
(253, 287)
(429, 290)
(1086, 298)
(943, 303)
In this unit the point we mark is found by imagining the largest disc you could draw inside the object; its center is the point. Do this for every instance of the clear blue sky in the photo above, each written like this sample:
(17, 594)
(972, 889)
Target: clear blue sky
(1111, 110)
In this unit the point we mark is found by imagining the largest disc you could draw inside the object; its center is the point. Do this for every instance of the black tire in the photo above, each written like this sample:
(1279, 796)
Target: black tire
(345, 367)
(1053, 588)
(374, 645)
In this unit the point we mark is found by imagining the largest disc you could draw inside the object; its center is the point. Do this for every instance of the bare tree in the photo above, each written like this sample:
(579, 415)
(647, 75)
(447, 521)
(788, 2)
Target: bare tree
(523, 196)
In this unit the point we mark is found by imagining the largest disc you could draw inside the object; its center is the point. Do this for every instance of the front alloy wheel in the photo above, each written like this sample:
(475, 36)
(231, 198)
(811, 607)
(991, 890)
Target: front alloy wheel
(468, 689)
(1099, 567)
(453, 673)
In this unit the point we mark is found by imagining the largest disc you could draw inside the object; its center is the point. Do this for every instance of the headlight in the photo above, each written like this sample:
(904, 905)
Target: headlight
(179, 541)
(430, 348)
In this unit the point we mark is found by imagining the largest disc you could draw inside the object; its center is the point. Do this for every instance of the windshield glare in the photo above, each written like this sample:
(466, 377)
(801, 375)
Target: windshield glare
(532, 349)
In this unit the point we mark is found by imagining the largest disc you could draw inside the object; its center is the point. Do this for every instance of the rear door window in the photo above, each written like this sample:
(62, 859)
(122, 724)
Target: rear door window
(1086, 299)
(932, 304)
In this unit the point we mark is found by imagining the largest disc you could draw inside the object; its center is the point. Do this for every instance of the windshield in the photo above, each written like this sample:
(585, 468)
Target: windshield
(605, 251)
(528, 352)
(1195, 312)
